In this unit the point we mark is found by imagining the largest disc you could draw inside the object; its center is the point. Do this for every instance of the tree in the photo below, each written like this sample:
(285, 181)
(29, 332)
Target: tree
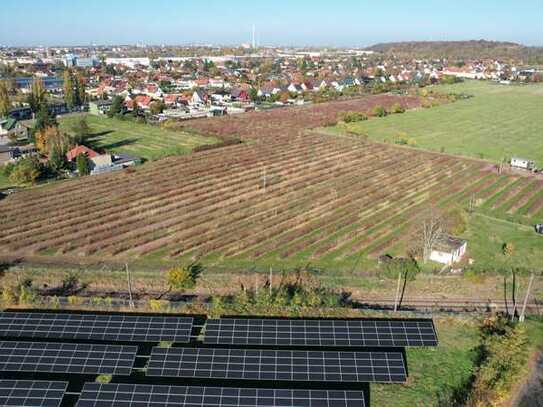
(26, 171)
(428, 229)
(116, 106)
(37, 96)
(80, 92)
(156, 107)
(184, 276)
(80, 131)
(135, 108)
(5, 103)
(69, 89)
(82, 164)
(57, 159)
(253, 94)
(51, 137)
(508, 249)
(44, 119)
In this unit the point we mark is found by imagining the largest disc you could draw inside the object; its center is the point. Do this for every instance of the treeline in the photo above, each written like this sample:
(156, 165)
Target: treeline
(462, 50)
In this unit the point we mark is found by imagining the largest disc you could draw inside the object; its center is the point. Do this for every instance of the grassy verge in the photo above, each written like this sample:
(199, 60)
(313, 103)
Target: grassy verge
(143, 140)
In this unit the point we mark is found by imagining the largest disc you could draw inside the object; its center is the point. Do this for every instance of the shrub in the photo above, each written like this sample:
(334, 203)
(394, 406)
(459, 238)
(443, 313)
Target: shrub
(503, 354)
(26, 171)
(379, 111)
(508, 249)
(104, 378)
(352, 117)
(184, 276)
(397, 108)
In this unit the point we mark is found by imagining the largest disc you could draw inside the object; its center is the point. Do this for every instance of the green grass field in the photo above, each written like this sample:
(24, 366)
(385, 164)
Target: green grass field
(142, 140)
(498, 121)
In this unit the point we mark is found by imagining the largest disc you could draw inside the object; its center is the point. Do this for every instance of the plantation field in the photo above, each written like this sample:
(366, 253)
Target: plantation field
(288, 197)
(497, 122)
(142, 140)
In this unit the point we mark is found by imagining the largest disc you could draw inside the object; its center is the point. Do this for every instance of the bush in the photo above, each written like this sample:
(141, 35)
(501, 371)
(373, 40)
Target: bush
(26, 171)
(379, 111)
(397, 108)
(352, 117)
(503, 354)
(7, 169)
(403, 139)
(395, 266)
(182, 277)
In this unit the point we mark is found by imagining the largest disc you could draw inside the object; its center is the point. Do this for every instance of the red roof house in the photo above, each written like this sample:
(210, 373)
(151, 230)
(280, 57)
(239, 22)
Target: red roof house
(74, 152)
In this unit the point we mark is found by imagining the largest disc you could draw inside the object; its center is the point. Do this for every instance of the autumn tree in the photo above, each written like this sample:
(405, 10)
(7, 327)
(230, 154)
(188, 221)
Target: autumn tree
(51, 137)
(69, 89)
(44, 119)
(26, 171)
(156, 107)
(184, 276)
(80, 90)
(5, 103)
(37, 96)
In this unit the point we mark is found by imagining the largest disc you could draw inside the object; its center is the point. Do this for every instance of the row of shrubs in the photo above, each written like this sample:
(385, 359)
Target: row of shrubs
(377, 111)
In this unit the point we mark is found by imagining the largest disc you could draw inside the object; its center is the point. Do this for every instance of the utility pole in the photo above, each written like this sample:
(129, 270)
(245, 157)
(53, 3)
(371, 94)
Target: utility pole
(129, 282)
(397, 291)
(254, 37)
(523, 311)
(271, 280)
(471, 203)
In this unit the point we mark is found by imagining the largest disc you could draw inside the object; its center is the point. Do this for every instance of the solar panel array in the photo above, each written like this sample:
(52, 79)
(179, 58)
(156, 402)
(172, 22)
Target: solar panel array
(50, 357)
(346, 333)
(30, 393)
(310, 366)
(228, 364)
(117, 395)
(102, 327)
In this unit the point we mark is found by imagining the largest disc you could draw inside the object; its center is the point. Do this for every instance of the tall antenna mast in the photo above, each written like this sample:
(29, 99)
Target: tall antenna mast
(254, 37)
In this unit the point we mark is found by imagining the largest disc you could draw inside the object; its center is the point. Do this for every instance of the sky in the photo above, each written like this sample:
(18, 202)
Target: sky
(343, 23)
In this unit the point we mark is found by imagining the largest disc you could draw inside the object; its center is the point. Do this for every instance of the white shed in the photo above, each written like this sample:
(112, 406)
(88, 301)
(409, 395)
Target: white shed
(523, 163)
(449, 250)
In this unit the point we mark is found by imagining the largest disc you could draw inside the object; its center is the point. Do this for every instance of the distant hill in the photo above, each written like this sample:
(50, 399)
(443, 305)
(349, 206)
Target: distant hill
(456, 50)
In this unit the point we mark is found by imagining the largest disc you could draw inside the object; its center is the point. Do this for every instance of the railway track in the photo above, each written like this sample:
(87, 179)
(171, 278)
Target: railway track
(423, 305)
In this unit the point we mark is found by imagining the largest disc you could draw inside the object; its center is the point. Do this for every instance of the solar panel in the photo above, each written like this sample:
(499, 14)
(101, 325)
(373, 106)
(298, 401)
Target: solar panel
(50, 357)
(122, 395)
(277, 365)
(30, 393)
(300, 332)
(104, 327)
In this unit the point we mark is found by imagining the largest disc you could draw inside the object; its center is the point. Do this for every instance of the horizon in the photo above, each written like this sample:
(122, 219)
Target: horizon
(355, 24)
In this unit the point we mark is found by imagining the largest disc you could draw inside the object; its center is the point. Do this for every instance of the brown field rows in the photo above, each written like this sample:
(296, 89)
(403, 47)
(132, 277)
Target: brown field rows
(288, 193)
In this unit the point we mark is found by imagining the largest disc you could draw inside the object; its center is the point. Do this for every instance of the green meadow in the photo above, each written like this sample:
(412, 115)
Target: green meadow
(498, 121)
(143, 140)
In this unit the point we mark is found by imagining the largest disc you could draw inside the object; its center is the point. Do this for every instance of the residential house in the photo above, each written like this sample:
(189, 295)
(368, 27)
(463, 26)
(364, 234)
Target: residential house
(71, 155)
(11, 129)
(199, 97)
(112, 162)
(99, 107)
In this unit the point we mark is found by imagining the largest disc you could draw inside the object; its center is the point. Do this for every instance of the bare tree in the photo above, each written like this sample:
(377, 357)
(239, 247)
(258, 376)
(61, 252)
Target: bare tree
(428, 229)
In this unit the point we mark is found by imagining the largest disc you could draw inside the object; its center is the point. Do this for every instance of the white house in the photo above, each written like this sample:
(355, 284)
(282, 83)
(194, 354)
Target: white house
(448, 250)
(523, 163)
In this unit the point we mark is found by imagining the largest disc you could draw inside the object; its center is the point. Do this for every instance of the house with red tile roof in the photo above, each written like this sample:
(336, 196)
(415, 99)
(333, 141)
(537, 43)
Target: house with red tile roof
(77, 150)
